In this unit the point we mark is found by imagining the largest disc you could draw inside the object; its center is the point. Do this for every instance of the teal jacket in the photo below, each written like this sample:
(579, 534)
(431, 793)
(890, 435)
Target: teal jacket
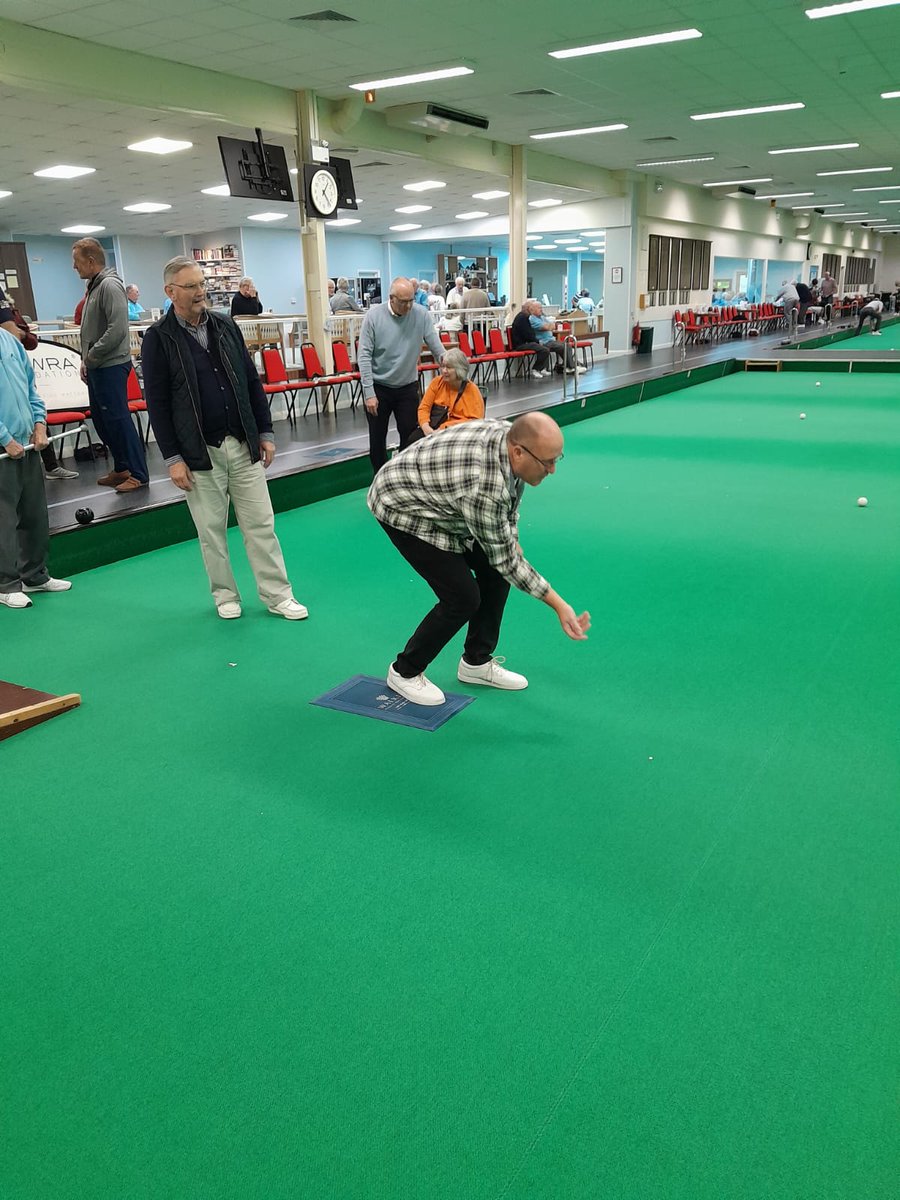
(20, 405)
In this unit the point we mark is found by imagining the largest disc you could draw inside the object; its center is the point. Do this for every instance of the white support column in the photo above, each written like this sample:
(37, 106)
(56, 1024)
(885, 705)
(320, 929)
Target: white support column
(620, 298)
(312, 234)
(518, 221)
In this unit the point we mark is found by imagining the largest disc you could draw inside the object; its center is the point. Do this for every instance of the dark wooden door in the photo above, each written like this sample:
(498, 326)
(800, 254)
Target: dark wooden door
(15, 278)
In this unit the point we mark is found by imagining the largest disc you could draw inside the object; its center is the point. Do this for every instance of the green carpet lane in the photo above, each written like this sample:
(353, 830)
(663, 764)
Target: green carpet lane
(626, 933)
(887, 342)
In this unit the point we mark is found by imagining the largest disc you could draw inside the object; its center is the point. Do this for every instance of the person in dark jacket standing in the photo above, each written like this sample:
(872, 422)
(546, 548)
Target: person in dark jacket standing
(106, 364)
(212, 423)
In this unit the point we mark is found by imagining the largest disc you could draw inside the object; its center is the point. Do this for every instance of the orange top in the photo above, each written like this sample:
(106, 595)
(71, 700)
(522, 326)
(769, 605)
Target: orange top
(469, 407)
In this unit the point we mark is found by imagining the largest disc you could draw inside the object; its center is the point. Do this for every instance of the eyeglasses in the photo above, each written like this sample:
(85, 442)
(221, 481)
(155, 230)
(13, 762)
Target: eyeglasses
(191, 287)
(398, 300)
(547, 463)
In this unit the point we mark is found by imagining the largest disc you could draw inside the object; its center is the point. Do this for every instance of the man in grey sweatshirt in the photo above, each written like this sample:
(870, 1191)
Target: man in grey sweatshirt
(106, 364)
(389, 344)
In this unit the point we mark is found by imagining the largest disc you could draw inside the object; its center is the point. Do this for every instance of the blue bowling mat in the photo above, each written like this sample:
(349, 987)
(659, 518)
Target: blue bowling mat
(366, 696)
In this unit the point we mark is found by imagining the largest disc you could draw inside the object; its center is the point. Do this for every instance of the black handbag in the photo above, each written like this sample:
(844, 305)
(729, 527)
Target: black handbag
(439, 414)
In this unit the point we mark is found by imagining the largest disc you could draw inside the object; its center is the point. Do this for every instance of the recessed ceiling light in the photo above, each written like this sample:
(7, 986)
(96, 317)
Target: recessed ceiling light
(888, 187)
(534, 237)
(471, 216)
(414, 208)
(160, 145)
(747, 112)
(811, 149)
(64, 172)
(855, 171)
(731, 182)
(674, 162)
(267, 216)
(893, 200)
(543, 203)
(890, 95)
(653, 39)
(544, 246)
(221, 189)
(489, 195)
(82, 228)
(561, 133)
(841, 216)
(3, 195)
(785, 195)
(594, 233)
(852, 6)
(403, 228)
(338, 221)
(426, 185)
(819, 205)
(146, 206)
(420, 77)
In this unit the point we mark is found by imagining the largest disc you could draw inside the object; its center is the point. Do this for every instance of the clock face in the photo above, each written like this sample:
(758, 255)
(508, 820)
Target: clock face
(323, 192)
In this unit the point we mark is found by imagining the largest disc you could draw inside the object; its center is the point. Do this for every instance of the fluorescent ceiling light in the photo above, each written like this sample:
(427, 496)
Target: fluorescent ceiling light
(818, 205)
(893, 200)
(867, 221)
(159, 145)
(653, 39)
(674, 162)
(890, 95)
(221, 189)
(146, 206)
(267, 216)
(852, 6)
(731, 182)
(471, 216)
(3, 195)
(841, 216)
(420, 77)
(785, 195)
(748, 112)
(543, 203)
(403, 228)
(409, 209)
(890, 187)
(811, 149)
(81, 228)
(64, 172)
(427, 185)
(594, 233)
(561, 133)
(489, 195)
(534, 237)
(544, 246)
(855, 171)
(338, 221)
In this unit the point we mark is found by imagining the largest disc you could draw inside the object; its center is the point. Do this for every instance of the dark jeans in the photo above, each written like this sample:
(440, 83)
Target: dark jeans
(112, 420)
(562, 351)
(541, 358)
(874, 320)
(468, 589)
(403, 402)
(24, 525)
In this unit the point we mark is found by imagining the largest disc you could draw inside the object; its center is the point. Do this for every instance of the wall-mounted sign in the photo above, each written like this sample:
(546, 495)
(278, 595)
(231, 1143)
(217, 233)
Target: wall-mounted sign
(616, 275)
(57, 377)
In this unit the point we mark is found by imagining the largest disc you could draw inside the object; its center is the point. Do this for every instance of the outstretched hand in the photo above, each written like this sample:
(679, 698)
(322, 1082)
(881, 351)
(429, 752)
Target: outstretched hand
(574, 626)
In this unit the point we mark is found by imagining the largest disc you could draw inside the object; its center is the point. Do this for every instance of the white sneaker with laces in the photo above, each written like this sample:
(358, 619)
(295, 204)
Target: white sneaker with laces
(290, 609)
(229, 610)
(539, 374)
(580, 370)
(876, 333)
(418, 690)
(51, 585)
(61, 473)
(491, 674)
(15, 600)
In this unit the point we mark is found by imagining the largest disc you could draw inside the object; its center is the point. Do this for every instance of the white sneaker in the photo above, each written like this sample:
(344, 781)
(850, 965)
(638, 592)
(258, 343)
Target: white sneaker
(51, 585)
(61, 473)
(15, 600)
(229, 610)
(491, 674)
(539, 374)
(580, 370)
(291, 609)
(419, 690)
(876, 333)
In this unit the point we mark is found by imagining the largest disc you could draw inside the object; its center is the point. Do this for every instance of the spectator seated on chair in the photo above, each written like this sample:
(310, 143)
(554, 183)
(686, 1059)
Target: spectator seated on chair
(465, 405)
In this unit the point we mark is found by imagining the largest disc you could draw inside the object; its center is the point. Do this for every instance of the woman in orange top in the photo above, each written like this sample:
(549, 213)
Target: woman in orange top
(443, 389)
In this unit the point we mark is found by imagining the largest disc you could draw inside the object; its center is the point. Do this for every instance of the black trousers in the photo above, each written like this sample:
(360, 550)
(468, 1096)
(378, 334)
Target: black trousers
(874, 319)
(541, 358)
(469, 591)
(24, 525)
(403, 402)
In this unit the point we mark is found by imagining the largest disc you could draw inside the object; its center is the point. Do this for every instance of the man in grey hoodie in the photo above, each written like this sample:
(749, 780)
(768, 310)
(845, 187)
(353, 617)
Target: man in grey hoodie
(106, 363)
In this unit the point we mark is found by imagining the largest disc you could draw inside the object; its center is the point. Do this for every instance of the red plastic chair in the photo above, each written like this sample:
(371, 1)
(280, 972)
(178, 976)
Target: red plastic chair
(340, 352)
(276, 383)
(333, 384)
(137, 405)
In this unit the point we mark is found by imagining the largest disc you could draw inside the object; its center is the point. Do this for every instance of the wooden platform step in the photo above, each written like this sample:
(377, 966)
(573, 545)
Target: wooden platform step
(22, 707)
(762, 364)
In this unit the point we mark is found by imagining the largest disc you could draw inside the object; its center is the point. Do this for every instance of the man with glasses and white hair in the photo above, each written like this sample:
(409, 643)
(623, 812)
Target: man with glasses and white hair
(212, 422)
(450, 505)
(390, 342)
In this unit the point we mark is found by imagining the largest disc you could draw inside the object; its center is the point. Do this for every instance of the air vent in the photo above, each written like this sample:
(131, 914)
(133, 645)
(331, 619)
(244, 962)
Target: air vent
(667, 138)
(327, 14)
(536, 92)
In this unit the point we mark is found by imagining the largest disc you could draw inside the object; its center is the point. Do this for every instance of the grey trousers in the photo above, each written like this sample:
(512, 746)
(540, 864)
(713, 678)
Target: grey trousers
(24, 524)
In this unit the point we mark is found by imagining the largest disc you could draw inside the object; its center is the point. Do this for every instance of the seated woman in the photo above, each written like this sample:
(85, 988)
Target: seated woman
(452, 389)
(245, 302)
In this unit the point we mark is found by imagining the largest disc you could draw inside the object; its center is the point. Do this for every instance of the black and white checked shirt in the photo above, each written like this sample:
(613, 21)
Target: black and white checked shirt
(455, 486)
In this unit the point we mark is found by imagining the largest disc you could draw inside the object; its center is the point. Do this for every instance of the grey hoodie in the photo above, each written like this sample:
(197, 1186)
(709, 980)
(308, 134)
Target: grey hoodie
(104, 322)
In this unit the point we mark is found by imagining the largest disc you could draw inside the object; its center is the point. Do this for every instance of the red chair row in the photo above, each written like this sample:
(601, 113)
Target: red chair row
(136, 405)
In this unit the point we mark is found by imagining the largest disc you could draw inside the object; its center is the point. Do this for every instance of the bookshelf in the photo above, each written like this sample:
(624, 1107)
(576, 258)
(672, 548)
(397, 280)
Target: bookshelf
(223, 270)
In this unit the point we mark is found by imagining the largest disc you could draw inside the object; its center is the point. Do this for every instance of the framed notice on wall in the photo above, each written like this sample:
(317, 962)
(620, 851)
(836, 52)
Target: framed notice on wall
(616, 275)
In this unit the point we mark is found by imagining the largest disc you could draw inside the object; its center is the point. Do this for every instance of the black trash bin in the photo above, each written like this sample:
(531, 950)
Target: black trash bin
(645, 346)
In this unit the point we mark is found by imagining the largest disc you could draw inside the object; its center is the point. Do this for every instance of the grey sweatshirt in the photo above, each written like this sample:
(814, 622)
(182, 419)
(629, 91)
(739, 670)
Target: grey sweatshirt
(389, 346)
(104, 322)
